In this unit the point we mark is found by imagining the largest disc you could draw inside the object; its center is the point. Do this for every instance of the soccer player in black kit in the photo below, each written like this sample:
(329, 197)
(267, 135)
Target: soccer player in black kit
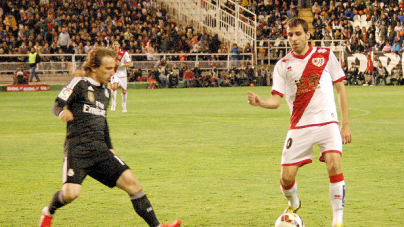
(82, 104)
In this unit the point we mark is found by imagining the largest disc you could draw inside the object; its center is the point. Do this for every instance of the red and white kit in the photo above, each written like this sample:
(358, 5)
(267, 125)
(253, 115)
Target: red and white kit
(306, 82)
(121, 75)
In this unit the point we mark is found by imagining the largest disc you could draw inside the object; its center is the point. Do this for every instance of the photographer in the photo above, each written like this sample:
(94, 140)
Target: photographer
(20, 76)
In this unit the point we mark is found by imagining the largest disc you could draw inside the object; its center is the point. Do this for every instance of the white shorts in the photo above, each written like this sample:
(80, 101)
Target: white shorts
(298, 148)
(122, 81)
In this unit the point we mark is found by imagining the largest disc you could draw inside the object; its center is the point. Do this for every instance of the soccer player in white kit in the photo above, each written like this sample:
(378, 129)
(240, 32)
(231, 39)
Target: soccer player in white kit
(120, 77)
(305, 77)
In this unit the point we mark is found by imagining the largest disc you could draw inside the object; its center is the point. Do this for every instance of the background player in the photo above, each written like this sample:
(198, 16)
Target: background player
(306, 77)
(88, 147)
(120, 77)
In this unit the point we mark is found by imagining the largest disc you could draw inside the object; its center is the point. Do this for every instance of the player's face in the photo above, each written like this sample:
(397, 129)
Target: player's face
(105, 71)
(116, 46)
(298, 39)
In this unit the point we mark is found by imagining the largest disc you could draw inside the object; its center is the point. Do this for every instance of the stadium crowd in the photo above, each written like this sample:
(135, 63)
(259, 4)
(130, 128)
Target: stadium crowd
(75, 26)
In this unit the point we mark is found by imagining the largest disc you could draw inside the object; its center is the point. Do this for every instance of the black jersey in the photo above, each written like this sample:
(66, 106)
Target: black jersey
(88, 134)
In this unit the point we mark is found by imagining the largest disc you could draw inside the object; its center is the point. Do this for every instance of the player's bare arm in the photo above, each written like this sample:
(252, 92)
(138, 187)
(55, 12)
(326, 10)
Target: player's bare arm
(120, 64)
(343, 103)
(272, 102)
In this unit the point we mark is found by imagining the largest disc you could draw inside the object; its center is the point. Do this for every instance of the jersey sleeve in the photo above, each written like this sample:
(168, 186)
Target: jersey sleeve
(126, 58)
(279, 82)
(337, 74)
(68, 92)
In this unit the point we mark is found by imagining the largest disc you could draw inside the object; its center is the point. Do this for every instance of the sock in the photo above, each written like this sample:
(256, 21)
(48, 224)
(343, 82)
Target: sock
(143, 208)
(290, 193)
(124, 98)
(57, 202)
(113, 97)
(337, 196)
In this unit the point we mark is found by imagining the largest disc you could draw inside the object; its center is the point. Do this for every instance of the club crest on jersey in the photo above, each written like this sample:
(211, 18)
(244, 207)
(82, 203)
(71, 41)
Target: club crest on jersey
(321, 50)
(318, 61)
(90, 96)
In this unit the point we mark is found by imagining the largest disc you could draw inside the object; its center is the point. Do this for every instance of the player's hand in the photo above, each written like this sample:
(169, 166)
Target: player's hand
(254, 99)
(346, 133)
(66, 115)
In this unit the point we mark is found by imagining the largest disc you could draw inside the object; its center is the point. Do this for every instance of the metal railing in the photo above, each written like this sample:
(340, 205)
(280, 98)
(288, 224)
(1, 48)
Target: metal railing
(268, 50)
(70, 63)
(231, 25)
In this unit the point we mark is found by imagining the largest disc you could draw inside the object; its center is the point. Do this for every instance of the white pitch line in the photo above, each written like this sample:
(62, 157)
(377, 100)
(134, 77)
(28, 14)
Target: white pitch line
(365, 112)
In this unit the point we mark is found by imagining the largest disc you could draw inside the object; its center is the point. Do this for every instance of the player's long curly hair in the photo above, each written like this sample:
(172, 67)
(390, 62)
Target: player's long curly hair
(94, 58)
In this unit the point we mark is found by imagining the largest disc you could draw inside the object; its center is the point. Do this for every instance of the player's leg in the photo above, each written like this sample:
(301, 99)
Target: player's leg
(337, 186)
(140, 202)
(297, 151)
(123, 83)
(69, 192)
(331, 150)
(124, 97)
(61, 198)
(289, 187)
(114, 87)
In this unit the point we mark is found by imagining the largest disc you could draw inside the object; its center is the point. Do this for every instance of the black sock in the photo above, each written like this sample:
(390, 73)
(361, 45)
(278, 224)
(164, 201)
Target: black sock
(143, 208)
(57, 202)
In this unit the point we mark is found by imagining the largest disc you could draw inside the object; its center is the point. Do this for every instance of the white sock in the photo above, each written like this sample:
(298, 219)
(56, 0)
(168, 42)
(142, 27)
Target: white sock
(124, 99)
(113, 97)
(291, 194)
(337, 196)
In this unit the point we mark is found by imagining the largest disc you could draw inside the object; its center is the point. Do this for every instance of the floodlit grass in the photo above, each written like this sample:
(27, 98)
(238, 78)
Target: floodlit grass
(205, 156)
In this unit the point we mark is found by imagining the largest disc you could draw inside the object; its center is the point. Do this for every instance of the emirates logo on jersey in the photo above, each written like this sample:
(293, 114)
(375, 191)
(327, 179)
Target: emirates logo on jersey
(318, 62)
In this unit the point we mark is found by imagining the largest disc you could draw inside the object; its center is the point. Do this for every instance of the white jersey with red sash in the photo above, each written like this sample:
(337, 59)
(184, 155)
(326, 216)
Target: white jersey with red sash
(307, 84)
(123, 57)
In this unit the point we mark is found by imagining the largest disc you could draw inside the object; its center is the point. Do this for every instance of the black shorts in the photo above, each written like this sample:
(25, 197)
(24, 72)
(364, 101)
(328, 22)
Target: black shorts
(106, 171)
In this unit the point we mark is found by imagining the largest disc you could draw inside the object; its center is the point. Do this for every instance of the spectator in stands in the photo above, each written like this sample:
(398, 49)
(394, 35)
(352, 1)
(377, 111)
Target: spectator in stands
(383, 30)
(64, 39)
(387, 47)
(396, 47)
(235, 52)
(316, 8)
(371, 40)
(353, 74)
(328, 38)
(349, 14)
(173, 80)
(381, 74)
(249, 72)
(188, 77)
(318, 35)
(248, 50)
(380, 45)
(396, 76)
(162, 74)
(136, 76)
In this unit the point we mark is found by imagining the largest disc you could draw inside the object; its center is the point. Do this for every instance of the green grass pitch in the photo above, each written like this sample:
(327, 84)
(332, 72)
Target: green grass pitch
(204, 156)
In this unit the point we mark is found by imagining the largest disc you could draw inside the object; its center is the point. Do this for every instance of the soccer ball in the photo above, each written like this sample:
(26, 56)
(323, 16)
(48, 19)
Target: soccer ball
(289, 220)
